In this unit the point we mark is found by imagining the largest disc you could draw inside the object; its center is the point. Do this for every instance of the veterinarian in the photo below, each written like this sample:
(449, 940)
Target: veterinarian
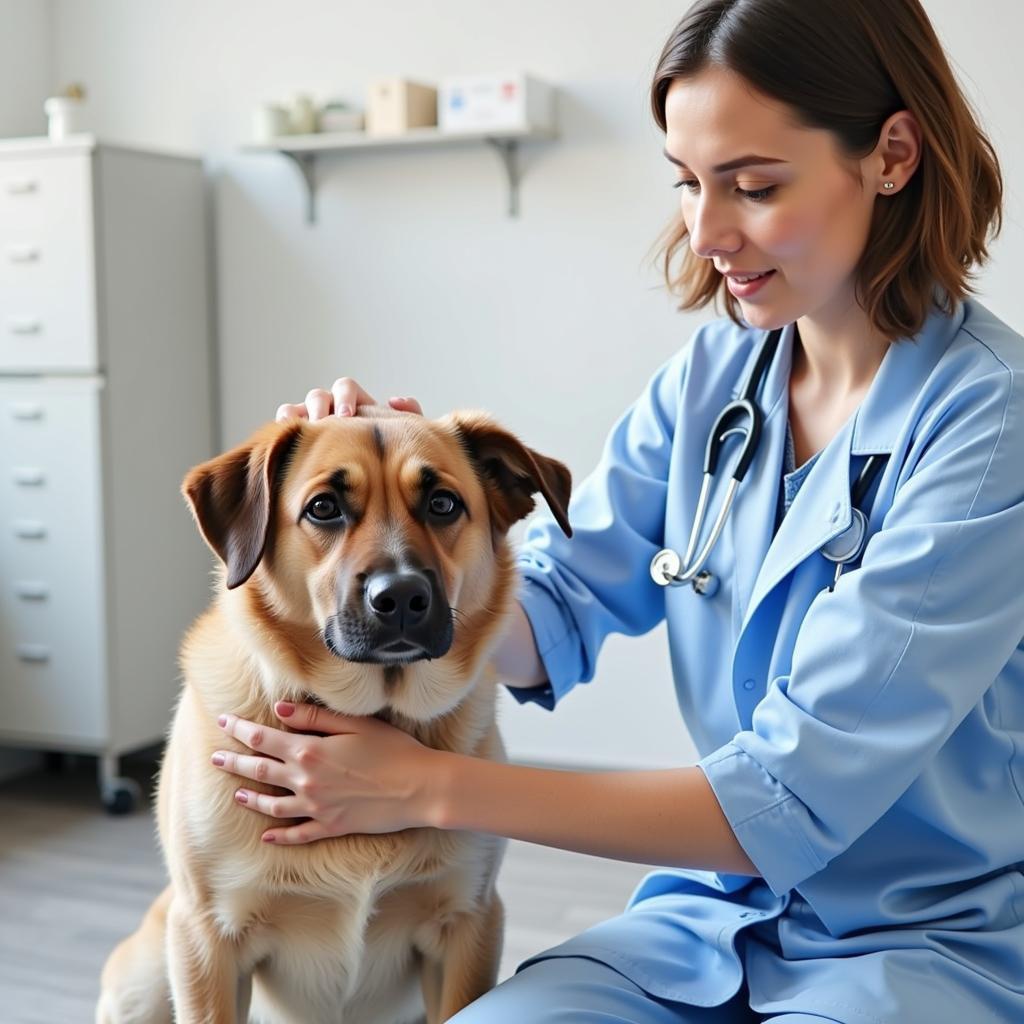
(849, 846)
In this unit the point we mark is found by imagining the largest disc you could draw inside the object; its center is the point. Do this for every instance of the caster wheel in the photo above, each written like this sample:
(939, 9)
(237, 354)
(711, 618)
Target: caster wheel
(122, 796)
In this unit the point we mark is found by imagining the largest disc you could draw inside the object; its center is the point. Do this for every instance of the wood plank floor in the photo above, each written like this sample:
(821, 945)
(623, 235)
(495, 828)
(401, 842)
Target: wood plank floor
(74, 881)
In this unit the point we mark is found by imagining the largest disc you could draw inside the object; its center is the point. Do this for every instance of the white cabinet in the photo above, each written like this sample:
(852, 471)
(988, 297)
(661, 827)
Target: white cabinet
(105, 403)
(47, 270)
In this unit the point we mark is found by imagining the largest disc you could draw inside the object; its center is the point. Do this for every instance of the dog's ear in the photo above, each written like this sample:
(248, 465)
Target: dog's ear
(511, 472)
(232, 495)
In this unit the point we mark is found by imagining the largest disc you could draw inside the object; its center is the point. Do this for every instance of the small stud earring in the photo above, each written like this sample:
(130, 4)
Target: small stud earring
(889, 186)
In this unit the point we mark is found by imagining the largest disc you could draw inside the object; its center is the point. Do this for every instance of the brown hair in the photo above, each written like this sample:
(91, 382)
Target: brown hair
(846, 66)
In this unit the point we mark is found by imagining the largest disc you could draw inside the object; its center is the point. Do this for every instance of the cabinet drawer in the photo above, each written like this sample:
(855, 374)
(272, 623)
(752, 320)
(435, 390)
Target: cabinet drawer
(40, 191)
(47, 265)
(52, 642)
(48, 423)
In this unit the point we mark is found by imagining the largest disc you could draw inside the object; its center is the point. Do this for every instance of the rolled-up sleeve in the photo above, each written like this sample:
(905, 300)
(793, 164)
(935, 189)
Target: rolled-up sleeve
(886, 667)
(575, 591)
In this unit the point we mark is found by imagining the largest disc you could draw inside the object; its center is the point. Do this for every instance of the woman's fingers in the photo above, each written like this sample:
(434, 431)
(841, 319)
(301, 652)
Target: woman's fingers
(271, 806)
(406, 405)
(259, 769)
(261, 738)
(343, 399)
(348, 396)
(290, 412)
(319, 403)
(313, 718)
(307, 832)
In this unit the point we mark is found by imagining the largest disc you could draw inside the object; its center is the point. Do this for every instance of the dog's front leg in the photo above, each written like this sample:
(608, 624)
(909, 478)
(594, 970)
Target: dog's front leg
(203, 968)
(467, 967)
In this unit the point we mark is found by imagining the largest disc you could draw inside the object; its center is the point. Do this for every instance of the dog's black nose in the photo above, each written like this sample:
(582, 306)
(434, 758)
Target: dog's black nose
(399, 599)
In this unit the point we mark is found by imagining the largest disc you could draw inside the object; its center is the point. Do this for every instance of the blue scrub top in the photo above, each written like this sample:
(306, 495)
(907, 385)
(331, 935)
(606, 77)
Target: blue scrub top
(866, 745)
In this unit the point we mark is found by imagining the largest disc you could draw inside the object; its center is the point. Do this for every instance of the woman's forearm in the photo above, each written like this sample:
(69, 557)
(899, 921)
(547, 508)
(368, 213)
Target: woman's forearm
(668, 817)
(516, 657)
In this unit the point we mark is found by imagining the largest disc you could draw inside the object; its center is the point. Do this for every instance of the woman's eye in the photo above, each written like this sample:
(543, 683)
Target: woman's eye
(445, 504)
(758, 195)
(323, 508)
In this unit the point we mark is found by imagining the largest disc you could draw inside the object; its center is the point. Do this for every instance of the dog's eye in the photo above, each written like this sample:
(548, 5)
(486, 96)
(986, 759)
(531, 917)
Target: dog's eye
(323, 508)
(445, 505)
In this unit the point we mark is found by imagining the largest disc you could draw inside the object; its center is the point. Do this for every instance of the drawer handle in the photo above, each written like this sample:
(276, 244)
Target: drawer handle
(29, 530)
(28, 411)
(22, 188)
(26, 476)
(33, 652)
(32, 591)
(25, 325)
(24, 254)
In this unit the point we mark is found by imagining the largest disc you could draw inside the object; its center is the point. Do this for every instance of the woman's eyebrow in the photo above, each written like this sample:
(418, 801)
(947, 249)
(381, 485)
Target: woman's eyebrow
(732, 165)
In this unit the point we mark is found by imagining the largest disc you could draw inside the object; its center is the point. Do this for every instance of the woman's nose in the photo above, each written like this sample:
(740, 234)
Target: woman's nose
(711, 229)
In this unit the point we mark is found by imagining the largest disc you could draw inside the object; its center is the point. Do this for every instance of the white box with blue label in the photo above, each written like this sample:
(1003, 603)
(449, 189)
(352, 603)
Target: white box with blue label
(475, 103)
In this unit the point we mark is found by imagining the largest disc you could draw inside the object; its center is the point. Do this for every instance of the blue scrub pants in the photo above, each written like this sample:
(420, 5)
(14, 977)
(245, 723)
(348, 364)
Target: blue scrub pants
(581, 990)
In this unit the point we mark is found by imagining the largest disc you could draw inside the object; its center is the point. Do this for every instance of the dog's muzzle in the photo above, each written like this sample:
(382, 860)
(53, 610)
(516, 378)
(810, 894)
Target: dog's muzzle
(399, 616)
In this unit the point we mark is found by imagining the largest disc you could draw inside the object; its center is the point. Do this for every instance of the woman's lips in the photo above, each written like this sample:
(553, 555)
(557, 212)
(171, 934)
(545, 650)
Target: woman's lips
(744, 289)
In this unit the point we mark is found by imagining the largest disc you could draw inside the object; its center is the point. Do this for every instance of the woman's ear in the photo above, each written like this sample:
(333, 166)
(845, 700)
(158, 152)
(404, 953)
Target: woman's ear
(898, 151)
(510, 472)
(232, 497)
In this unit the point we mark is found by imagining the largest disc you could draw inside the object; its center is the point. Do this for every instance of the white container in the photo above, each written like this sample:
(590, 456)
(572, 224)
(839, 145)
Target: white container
(394, 105)
(269, 121)
(302, 116)
(333, 119)
(64, 117)
(515, 102)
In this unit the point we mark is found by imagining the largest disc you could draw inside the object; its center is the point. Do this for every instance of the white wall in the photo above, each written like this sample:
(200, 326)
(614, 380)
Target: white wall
(26, 64)
(414, 281)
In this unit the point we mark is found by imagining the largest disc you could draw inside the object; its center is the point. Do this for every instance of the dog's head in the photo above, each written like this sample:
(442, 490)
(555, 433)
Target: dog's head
(372, 549)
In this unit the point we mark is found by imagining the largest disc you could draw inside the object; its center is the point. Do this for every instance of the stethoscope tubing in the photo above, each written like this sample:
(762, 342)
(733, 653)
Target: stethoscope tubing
(667, 570)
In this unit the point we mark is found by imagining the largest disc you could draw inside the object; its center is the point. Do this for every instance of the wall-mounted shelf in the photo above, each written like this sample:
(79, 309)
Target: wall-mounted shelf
(305, 149)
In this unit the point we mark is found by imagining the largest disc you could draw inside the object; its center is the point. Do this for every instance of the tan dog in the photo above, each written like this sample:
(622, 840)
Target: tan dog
(365, 564)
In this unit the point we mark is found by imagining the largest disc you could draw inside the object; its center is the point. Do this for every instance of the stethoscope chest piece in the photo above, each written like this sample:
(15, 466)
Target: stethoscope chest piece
(666, 566)
(848, 546)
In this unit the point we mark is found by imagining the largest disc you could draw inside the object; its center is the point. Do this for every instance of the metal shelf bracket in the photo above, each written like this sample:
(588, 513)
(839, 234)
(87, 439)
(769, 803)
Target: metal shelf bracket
(508, 151)
(306, 163)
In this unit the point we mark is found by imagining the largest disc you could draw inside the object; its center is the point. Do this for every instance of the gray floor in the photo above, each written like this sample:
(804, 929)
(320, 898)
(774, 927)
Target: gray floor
(74, 881)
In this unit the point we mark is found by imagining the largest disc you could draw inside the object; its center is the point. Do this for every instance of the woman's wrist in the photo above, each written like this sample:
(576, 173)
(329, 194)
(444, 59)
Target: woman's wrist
(437, 790)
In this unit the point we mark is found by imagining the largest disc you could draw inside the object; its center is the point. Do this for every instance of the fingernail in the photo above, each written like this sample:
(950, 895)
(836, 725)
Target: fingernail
(285, 708)
(218, 759)
(344, 410)
(268, 838)
(222, 721)
(242, 797)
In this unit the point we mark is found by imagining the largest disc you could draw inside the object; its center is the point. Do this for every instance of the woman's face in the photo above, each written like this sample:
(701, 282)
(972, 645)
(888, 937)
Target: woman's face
(796, 210)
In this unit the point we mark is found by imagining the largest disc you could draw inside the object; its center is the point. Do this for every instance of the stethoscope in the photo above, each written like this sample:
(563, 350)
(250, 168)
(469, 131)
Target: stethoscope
(744, 418)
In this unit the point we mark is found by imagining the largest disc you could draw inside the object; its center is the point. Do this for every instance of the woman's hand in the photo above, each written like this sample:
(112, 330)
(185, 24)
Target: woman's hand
(343, 399)
(363, 775)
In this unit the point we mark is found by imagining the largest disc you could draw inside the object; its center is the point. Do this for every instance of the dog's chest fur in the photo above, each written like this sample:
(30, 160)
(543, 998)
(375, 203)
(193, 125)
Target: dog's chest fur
(353, 942)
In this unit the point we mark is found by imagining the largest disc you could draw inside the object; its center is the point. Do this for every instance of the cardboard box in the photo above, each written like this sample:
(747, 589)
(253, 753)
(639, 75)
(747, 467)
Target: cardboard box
(515, 102)
(395, 105)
